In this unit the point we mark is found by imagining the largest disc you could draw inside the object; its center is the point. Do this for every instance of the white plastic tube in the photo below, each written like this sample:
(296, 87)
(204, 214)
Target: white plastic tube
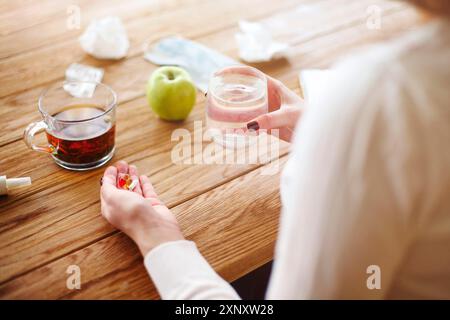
(8, 184)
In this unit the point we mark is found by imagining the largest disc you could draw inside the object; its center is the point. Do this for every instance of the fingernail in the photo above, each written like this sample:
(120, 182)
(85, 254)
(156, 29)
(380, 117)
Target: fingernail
(101, 181)
(253, 125)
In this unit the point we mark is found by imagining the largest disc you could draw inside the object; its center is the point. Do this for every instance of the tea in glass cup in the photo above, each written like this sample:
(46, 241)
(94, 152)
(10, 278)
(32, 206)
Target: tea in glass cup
(80, 129)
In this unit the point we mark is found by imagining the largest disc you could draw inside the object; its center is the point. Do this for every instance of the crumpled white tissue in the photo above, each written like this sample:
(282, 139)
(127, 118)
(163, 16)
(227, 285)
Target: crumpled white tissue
(256, 44)
(105, 39)
(81, 72)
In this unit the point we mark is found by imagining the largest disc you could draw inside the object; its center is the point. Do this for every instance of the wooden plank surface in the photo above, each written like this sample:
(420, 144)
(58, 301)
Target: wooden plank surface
(56, 222)
(115, 260)
(55, 58)
(128, 76)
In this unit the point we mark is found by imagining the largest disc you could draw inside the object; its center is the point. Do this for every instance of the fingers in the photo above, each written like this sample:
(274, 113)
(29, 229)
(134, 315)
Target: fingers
(282, 118)
(108, 195)
(110, 176)
(285, 134)
(147, 187)
(122, 168)
(108, 191)
(133, 172)
(108, 183)
(278, 93)
(149, 191)
(273, 93)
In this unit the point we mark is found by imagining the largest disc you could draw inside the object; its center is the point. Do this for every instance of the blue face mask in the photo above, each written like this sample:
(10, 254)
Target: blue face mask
(199, 61)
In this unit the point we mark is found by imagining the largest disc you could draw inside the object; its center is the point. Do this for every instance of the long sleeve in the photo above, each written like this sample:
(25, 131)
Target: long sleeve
(180, 272)
(365, 191)
(339, 209)
(348, 189)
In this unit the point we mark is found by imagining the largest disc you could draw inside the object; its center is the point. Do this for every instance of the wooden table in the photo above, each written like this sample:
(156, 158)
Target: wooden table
(230, 211)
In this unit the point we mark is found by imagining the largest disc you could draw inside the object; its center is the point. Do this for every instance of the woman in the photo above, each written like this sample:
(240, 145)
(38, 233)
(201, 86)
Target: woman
(366, 188)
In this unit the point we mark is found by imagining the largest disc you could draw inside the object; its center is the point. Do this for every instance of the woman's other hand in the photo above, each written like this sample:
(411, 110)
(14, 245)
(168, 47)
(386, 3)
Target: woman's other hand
(138, 213)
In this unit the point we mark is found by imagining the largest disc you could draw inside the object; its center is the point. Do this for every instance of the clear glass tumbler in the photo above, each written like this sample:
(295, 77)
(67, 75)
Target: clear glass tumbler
(236, 95)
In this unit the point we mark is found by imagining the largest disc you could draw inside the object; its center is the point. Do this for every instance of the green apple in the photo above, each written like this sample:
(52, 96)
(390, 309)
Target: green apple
(171, 93)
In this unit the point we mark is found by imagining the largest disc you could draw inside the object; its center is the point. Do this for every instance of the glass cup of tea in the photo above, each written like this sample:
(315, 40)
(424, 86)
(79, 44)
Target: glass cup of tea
(236, 95)
(79, 121)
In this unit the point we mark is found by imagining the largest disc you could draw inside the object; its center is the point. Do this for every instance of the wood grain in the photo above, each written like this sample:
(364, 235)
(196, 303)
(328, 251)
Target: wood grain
(32, 222)
(47, 185)
(50, 61)
(128, 77)
(231, 211)
(217, 220)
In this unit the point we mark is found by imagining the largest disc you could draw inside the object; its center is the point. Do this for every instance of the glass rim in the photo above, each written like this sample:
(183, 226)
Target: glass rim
(109, 106)
(257, 73)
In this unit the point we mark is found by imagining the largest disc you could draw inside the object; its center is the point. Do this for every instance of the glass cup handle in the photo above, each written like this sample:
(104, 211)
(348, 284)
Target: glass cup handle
(29, 133)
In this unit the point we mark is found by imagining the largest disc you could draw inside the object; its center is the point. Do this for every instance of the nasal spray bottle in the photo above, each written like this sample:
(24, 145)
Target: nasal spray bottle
(11, 183)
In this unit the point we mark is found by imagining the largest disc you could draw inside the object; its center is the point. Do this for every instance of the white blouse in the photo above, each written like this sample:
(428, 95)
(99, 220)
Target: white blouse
(366, 191)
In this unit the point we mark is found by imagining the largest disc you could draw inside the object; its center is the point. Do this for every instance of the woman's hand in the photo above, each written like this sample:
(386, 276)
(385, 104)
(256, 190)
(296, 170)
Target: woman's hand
(138, 213)
(285, 107)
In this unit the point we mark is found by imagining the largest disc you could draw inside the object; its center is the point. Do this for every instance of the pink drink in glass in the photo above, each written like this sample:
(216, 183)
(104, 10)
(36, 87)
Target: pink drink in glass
(236, 95)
